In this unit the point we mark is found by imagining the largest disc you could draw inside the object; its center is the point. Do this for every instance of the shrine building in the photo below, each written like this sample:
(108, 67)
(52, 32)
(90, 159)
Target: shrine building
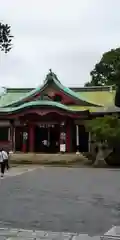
(52, 115)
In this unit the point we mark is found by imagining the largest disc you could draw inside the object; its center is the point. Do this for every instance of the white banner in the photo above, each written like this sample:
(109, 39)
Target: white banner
(62, 147)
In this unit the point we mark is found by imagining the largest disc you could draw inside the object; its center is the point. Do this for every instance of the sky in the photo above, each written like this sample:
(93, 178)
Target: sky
(68, 36)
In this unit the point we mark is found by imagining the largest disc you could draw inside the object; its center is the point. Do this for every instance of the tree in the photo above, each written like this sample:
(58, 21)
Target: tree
(107, 71)
(5, 38)
(107, 130)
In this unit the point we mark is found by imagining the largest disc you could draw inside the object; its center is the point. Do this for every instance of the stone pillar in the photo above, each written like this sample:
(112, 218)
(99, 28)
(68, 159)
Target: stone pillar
(77, 139)
(68, 137)
(31, 137)
(62, 138)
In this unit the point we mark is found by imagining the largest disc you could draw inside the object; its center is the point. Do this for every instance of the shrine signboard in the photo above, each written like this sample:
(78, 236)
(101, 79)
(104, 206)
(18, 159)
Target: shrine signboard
(45, 125)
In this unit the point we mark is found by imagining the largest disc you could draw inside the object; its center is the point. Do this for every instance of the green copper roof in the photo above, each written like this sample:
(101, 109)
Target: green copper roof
(99, 97)
(105, 98)
(51, 78)
(83, 108)
(70, 92)
(15, 97)
(10, 97)
(40, 103)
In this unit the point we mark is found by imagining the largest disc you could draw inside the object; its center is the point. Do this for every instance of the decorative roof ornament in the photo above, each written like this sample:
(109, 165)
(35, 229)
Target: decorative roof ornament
(3, 91)
(51, 76)
(50, 70)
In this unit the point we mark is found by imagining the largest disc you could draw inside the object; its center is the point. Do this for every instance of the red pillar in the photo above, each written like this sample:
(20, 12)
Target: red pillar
(24, 147)
(31, 138)
(12, 136)
(68, 140)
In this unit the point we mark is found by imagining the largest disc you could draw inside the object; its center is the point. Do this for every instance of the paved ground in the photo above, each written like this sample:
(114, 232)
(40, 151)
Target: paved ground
(22, 234)
(61, 199)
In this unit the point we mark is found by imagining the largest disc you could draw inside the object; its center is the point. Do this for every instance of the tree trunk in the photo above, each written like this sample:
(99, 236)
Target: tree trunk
(117, 97)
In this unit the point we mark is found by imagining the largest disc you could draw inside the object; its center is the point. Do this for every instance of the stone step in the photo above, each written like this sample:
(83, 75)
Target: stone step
(24, 158)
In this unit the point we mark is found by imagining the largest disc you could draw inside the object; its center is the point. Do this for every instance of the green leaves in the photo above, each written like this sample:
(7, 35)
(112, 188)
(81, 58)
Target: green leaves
(5, 38)
(105, 128)
(107, 71)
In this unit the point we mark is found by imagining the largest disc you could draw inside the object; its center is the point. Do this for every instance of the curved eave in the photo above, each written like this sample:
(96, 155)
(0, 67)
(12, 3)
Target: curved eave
(40, 104)
(31, 94)
(106, 111)
(77, 97)
(68, 91)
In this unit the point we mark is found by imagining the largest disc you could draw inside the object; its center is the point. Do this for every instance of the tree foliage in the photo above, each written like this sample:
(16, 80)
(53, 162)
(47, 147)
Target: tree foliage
(5, 38)
(107, 71)
(106, 128)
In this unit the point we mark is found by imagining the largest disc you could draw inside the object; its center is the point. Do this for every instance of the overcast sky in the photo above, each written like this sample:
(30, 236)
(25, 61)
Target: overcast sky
(68, 36)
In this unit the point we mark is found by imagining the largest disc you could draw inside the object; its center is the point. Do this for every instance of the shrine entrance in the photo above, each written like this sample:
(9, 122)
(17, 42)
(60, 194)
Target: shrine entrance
(47, 138)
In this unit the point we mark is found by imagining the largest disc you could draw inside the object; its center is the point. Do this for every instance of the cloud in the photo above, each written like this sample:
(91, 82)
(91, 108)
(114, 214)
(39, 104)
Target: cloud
(68, 36)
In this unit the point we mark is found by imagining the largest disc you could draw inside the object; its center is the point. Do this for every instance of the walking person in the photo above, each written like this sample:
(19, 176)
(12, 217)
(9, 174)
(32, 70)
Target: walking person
(5, 158)
(2, 164)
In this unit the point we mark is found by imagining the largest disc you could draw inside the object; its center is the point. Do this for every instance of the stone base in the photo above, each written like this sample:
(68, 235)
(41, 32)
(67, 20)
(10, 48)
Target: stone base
(112, 234)
(58, 158)
(99, 163)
